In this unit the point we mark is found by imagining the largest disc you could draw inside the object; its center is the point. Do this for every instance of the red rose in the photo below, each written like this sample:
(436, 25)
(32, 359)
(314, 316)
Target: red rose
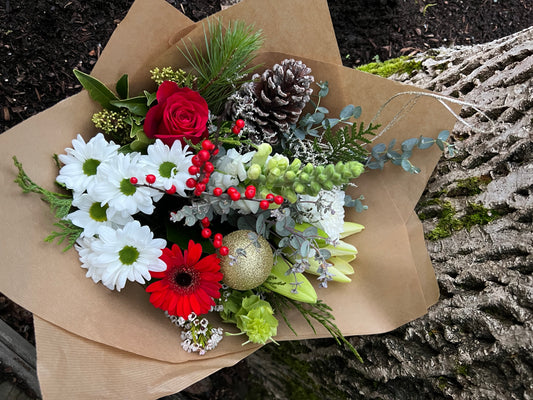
(180, 113)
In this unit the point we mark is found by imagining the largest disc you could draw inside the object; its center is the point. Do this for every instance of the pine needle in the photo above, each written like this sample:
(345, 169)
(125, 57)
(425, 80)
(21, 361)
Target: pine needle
(224, 67)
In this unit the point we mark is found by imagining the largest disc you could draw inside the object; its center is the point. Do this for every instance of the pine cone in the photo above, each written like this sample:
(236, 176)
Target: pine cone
(270, 104)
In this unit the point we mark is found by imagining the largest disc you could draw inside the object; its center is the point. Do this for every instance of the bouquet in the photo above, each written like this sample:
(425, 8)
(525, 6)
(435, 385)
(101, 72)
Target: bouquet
(223, 191)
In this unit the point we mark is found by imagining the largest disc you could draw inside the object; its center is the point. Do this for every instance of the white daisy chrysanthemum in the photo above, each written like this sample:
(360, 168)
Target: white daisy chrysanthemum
(83, 161)
(83, 246)
(114, 188)
(170, 165)
(118, 255)
(325, 211)
(91, 215)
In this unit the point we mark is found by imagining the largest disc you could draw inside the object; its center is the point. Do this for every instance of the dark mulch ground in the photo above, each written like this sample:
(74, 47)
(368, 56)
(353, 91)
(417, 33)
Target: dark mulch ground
(41, 41)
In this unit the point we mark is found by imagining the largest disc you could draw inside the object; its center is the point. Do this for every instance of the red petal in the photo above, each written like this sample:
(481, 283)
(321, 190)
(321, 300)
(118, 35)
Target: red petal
(165, 90)
(152, 121)
(194, 253)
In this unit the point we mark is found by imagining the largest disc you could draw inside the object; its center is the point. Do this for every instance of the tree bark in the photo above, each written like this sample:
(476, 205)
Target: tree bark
(477, 342)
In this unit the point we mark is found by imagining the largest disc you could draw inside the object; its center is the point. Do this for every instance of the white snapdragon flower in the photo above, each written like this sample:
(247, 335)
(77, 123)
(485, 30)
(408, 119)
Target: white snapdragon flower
(230, 169)
(325, 211)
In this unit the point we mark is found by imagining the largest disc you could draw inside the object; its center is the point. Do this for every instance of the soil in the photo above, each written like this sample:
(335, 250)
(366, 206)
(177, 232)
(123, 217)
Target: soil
(41, 41)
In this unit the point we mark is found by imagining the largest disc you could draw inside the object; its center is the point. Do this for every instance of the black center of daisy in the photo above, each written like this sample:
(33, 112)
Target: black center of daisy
(183, 279)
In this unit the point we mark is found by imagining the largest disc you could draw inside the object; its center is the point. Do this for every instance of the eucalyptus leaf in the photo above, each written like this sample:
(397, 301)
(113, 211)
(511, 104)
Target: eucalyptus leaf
(331, 122)
(378, 149)
(97, 90)
(393, 155)
(440, 143)
(323, 110)
(324, 90)
(406, 165)
(425, 143)
(409, 144)
(304, 249)
(318, 117)
(299, 133)
(347, 112)
(443, 135)
(357, 112)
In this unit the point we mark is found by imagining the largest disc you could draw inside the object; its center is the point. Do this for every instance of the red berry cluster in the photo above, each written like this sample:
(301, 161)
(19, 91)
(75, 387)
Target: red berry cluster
(239, 124)
(270, 198)
(202, 168)
(150, 179)
(249, 194)
(217, 239)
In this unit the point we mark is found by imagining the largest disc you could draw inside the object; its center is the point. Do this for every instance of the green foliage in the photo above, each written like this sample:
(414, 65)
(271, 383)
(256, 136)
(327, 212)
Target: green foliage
(119, 111)
(319, 312)
(225, 63)
(316, 140)
(398, 65)
(97, 90)
(381, 153)
(67, 231)
(345, 143)
(60, 204)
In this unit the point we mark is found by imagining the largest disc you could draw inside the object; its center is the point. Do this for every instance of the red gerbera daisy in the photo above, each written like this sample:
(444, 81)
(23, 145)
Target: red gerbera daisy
(189, 283)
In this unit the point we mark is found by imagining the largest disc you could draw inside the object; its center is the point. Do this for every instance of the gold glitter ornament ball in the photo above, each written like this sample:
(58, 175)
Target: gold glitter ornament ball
(250, 262)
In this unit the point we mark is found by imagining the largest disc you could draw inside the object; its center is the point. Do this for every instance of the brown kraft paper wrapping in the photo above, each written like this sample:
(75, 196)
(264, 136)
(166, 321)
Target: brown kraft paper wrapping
(94, 343)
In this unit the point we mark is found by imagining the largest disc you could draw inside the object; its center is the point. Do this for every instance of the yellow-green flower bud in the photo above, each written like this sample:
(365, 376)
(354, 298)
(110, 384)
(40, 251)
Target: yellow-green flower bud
(322, 178)
(314, 188)
(336, 178)
(298, 188)
(308, 169)
(329, 170)
(356, 168)
(262, 153)
(295, 165)
(289, 195)
(254, 171)
(275, 172)
(351, 228)
(290, 176)
(304, 177)
(328, 185)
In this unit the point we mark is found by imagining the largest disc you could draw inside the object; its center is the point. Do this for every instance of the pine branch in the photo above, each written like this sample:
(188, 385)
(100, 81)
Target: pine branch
(60, 204)
(223, 68)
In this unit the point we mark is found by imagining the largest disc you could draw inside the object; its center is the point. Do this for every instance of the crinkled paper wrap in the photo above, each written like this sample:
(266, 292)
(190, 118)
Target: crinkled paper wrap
(94, 343)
